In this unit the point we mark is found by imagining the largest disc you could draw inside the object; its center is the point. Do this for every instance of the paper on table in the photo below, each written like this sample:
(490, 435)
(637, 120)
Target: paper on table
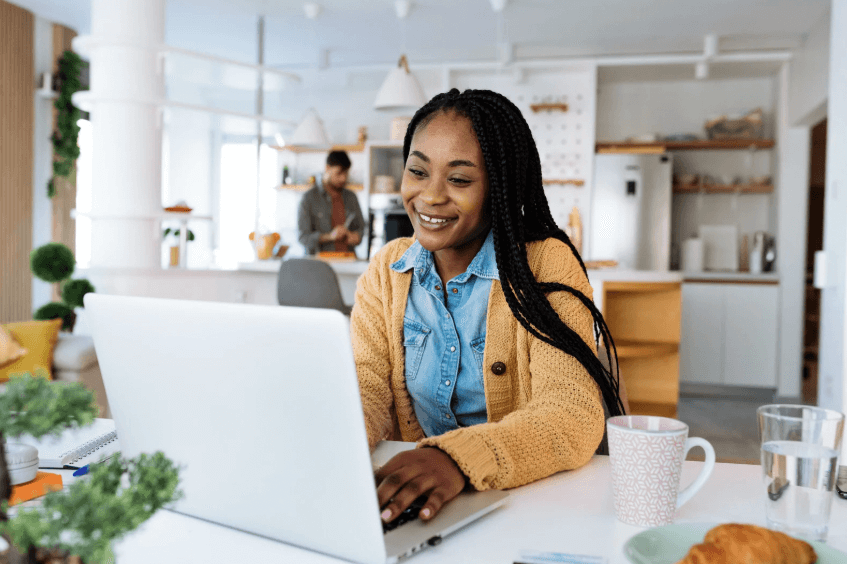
(75, 447)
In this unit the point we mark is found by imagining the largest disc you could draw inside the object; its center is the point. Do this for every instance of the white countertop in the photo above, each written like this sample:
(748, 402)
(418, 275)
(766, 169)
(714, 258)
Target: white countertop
(730, 276)
(628, 275)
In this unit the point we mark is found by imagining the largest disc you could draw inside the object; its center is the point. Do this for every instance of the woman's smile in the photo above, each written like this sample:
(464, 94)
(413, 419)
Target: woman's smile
(433, 221)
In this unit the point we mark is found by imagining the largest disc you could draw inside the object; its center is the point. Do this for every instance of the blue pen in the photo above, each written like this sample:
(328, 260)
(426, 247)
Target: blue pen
(82, 471)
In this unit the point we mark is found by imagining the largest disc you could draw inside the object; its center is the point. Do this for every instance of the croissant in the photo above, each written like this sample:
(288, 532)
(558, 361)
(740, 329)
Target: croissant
(748, 544)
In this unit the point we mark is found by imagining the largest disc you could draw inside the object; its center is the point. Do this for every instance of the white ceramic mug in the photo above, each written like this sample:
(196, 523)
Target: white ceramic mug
(646, 454)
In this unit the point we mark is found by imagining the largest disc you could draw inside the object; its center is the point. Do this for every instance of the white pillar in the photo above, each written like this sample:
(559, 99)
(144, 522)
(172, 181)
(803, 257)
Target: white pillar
(126, 84)
(836, 180)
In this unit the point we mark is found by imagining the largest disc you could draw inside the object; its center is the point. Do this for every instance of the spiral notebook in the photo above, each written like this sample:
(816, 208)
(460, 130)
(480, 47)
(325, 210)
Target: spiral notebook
(75, 448)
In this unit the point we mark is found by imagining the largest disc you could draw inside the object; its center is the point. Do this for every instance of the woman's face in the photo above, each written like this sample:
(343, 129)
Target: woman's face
(445, 185)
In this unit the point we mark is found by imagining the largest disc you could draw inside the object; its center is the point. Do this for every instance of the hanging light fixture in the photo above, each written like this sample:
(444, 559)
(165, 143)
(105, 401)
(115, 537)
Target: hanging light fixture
(401, 89)
(310, 133)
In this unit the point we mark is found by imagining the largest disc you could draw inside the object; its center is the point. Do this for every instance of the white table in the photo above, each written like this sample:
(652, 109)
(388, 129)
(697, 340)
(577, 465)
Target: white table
(569, 512)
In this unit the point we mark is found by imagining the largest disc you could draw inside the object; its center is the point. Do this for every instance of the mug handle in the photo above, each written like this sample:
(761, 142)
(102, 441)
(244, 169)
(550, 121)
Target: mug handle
(708, 466)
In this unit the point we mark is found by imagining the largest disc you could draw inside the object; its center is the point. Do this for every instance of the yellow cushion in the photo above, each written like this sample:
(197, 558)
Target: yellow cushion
(38, 338)
(10, 349)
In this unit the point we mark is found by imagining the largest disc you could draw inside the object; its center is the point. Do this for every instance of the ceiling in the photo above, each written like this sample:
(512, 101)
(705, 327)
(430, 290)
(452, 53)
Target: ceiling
(363, 32)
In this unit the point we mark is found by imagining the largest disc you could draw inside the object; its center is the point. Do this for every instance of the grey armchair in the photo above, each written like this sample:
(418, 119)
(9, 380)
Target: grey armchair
(307, 282)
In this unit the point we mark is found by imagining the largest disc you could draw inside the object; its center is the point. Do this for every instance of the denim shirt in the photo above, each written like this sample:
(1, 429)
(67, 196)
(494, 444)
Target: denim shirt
(445, 341)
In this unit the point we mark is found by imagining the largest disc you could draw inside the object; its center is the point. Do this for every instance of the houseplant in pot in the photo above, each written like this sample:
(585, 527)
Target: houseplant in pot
(79, 523)
(55, 263)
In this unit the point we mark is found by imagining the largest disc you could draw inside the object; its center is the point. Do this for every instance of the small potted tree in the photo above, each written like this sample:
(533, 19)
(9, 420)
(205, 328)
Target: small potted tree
(79, 523)
(55, 263)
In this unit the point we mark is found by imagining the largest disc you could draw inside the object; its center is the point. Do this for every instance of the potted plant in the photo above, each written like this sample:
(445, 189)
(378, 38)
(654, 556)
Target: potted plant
(79, 523)
(171, 236)
(54, 263)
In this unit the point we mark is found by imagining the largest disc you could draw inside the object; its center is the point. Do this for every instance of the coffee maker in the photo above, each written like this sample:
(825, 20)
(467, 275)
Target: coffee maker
(763, 253)
(388, 220)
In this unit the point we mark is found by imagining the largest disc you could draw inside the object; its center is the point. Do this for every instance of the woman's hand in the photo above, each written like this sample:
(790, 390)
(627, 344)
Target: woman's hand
(413, 473)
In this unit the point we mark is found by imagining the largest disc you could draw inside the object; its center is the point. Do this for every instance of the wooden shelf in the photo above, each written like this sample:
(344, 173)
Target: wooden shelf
(645, 350)
(699, 145)
(297, 149)
(723, 188)
(564, 181)
(304, 187)
(547, 107)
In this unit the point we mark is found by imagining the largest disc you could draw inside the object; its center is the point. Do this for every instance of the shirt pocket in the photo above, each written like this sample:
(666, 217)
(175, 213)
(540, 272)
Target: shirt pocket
(415, 335)
(478, 348)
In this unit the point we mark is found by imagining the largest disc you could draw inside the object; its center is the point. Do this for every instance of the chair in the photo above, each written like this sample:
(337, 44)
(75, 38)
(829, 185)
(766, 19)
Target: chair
(307, 282)
(604, 444)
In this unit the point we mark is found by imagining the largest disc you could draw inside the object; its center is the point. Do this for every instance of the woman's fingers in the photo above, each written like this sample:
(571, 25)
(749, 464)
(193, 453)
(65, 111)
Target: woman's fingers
(411, 474)
(410, 491)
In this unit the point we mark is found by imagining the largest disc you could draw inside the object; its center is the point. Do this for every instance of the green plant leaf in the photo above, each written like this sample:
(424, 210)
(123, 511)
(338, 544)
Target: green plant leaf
(52, 262)
(73, 291)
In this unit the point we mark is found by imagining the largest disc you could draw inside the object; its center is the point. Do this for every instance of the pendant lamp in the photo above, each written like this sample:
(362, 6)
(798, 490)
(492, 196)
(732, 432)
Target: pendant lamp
(401, 90)
(310, 133)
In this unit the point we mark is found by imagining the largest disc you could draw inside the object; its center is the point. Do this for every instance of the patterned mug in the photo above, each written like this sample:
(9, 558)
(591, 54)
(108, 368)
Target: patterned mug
(646, 454)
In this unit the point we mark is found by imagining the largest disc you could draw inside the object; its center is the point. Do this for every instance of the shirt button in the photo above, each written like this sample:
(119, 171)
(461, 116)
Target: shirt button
(438, 287)
(498, 368)
(452, 349)
(447, 383)
(455, 290)
(446, 416)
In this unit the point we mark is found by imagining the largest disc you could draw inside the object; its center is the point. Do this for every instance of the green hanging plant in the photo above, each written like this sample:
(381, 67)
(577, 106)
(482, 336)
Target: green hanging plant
(65, 145)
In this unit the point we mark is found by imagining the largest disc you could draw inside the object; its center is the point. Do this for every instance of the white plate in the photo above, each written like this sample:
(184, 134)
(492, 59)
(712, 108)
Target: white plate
(670, 544)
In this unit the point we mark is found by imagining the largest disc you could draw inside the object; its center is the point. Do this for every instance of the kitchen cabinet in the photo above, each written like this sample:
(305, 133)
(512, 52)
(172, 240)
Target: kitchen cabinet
(729, 334)
(644, 319)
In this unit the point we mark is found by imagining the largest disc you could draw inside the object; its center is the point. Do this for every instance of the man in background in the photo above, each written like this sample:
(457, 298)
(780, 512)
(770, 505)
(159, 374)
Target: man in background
(329, 218)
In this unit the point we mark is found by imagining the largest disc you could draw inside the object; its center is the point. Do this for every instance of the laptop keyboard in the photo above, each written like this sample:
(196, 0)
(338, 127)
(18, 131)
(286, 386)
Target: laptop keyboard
(410, 514)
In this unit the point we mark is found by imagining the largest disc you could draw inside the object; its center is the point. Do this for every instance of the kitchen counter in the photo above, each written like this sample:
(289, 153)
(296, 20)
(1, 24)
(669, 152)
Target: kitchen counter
(732, 277)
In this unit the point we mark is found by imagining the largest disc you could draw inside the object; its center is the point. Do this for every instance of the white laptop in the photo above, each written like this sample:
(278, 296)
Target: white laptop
(260, 406)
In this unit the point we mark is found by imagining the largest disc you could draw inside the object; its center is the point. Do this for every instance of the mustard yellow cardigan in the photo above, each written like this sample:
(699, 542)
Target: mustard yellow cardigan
(544, 409)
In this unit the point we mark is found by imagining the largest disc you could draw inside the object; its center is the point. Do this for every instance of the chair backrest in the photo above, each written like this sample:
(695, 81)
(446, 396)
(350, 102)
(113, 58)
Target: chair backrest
(309, 283)
(604, 444)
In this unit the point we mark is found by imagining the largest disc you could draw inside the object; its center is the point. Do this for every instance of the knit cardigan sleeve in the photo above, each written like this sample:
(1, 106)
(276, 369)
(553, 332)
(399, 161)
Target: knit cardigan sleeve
(561, 424)
(369, 334)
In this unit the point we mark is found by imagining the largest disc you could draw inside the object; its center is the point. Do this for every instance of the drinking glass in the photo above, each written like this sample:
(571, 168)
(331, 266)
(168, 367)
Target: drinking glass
(800, 447)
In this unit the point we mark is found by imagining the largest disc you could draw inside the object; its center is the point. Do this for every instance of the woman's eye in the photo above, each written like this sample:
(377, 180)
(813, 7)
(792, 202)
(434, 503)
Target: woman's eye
(416, 172)
(460, 181)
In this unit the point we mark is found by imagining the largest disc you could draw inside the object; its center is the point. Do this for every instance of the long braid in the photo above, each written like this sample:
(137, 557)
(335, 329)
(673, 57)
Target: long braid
(522, 214)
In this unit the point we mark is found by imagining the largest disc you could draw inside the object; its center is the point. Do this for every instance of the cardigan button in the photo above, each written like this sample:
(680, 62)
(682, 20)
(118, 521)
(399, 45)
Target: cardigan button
(498, 368)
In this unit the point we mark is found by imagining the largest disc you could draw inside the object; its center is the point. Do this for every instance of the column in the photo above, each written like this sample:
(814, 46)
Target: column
(126, 86)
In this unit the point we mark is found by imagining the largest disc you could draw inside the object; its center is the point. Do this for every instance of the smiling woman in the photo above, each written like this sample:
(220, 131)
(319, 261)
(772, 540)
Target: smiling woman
(477, 338)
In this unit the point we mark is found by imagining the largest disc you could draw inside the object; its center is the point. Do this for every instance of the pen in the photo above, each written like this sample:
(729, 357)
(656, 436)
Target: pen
(349, 220)
(82, 471)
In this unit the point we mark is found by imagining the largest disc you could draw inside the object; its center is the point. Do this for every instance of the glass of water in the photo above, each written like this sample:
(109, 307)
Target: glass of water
(800, 448)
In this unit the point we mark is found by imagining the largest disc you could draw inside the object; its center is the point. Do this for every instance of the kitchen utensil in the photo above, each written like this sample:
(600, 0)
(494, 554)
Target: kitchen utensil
(646, 455)
(720, 243)
(744, 255)
(757, 253)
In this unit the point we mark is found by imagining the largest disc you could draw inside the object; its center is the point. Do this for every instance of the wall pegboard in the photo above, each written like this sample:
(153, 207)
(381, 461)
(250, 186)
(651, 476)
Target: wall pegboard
(565, 139)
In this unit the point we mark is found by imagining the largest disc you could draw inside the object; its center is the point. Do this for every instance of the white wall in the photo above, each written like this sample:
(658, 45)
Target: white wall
(831, 383)
(810, 76)
(793, 147)
(42, 206)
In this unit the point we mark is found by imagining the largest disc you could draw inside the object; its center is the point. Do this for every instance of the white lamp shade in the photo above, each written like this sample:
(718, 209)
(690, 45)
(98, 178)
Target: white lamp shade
(310, 133)
(400, 91)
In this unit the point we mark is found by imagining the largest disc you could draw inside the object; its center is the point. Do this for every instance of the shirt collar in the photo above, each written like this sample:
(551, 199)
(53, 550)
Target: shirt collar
(483, 265)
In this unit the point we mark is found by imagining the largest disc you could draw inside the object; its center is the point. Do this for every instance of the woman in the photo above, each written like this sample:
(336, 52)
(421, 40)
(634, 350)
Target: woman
(477, 337)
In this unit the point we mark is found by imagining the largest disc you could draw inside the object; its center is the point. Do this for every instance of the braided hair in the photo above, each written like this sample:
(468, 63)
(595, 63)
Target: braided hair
(521, 214)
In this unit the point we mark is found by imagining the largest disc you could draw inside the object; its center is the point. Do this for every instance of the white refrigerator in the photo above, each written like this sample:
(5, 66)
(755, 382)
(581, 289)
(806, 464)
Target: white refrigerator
(631, 210)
